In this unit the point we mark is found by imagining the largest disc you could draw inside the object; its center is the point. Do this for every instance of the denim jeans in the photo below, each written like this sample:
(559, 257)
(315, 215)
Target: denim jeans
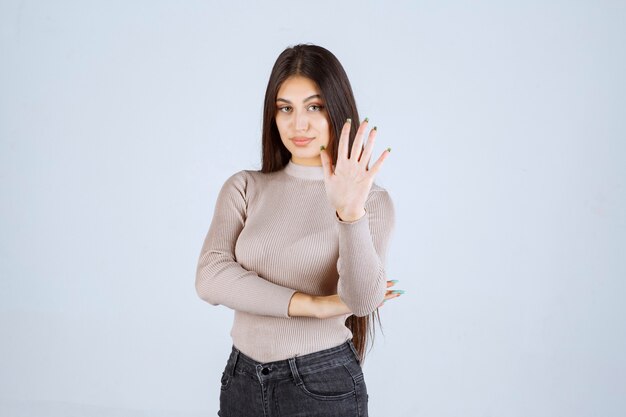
(325, 383)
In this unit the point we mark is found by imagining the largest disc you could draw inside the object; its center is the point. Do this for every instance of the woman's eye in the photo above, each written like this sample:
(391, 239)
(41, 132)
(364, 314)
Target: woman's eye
(315, 107)
(284, 109)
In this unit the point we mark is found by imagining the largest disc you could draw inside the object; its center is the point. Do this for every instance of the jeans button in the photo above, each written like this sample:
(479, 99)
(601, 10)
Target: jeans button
(265, 371)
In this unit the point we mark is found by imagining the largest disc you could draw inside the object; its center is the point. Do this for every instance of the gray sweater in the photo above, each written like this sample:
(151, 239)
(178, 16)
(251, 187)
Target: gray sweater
(275, 234)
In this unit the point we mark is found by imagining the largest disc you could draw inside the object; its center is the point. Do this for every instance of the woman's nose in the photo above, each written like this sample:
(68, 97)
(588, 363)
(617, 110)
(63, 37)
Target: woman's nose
(302, 121)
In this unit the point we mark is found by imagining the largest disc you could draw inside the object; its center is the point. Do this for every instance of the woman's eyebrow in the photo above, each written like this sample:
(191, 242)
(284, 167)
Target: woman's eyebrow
(304, 101)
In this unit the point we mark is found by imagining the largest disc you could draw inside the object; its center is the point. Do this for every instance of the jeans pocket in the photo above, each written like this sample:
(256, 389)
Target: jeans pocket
(334, 383)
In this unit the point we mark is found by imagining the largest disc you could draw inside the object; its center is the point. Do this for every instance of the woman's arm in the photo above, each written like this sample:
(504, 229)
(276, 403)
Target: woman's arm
(323, 307)
(362, 253)
(320, 307)
(220, 279)
(368, 220)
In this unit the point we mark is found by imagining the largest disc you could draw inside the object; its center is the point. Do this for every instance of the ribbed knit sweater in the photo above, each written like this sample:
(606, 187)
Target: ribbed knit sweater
(273, 234)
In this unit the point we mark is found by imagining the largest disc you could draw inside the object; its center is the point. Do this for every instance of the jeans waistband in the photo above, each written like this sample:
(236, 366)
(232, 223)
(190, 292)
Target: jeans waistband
(305, 364)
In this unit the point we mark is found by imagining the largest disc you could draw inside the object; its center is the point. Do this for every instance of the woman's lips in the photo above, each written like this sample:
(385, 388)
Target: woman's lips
(302, 141)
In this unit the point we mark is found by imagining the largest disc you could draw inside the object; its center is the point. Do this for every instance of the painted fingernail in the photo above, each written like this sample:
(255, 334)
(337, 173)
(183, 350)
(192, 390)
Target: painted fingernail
(375, 127)
(348, 120)
(395, 281)
(322, 148)
(367, 119)
(388, 149)
(398, 291)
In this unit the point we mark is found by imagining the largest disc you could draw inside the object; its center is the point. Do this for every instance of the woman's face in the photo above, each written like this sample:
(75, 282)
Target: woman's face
(302, 119)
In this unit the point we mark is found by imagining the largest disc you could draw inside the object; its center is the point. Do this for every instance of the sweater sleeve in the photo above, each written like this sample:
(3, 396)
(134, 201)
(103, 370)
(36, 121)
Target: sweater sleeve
(362, 252)
(220, 279)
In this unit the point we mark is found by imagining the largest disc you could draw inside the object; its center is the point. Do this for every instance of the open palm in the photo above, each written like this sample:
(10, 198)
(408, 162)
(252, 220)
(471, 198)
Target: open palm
(348, 186)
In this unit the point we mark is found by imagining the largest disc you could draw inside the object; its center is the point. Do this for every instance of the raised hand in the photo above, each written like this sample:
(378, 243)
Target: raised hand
(348, 186)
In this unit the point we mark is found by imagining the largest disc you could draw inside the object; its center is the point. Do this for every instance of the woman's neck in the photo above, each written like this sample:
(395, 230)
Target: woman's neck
(307, 172)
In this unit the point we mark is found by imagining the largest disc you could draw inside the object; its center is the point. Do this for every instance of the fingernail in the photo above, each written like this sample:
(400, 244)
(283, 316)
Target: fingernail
(322, 148)
(348, 120)
(388, 149)
(398, 291)
(375, 127)
(395, 281)
(367, 119)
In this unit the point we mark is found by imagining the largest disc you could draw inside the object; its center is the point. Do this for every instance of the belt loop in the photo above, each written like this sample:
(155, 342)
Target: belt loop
(235, 357)
(356, 355)
(294, 371)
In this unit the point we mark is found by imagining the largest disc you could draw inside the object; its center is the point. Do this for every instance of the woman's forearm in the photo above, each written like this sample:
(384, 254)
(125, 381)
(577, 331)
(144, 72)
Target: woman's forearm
(321, 307)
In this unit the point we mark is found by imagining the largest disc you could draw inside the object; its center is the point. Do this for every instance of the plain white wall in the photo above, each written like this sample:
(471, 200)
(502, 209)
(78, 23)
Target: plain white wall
(120, 121)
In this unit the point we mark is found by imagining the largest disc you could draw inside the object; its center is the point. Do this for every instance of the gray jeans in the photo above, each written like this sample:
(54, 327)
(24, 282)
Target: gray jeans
(325, 383)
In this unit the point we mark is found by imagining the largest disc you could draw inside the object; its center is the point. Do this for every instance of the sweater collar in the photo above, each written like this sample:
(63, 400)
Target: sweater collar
(304, 171)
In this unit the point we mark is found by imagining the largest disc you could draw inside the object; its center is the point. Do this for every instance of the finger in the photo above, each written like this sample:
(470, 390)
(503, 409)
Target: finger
(391, 296)
(327, 166)
(369, 147)
(344, 140)
(379, 163)
(391, 283)
(357, 145)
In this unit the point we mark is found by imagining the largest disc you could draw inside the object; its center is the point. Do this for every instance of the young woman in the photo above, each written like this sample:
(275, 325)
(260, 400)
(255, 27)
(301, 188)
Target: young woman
(298, 249)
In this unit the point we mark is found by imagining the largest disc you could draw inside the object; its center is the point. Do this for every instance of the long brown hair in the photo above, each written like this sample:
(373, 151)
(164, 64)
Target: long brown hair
(322, 67)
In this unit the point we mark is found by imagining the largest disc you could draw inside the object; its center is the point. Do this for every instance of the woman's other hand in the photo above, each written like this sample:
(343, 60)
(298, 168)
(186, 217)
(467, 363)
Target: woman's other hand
(348, 186)
(327, 306)
(391, 293)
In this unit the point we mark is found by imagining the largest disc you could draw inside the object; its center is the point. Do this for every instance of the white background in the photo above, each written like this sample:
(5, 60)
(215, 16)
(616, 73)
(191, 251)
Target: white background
(120, 121)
